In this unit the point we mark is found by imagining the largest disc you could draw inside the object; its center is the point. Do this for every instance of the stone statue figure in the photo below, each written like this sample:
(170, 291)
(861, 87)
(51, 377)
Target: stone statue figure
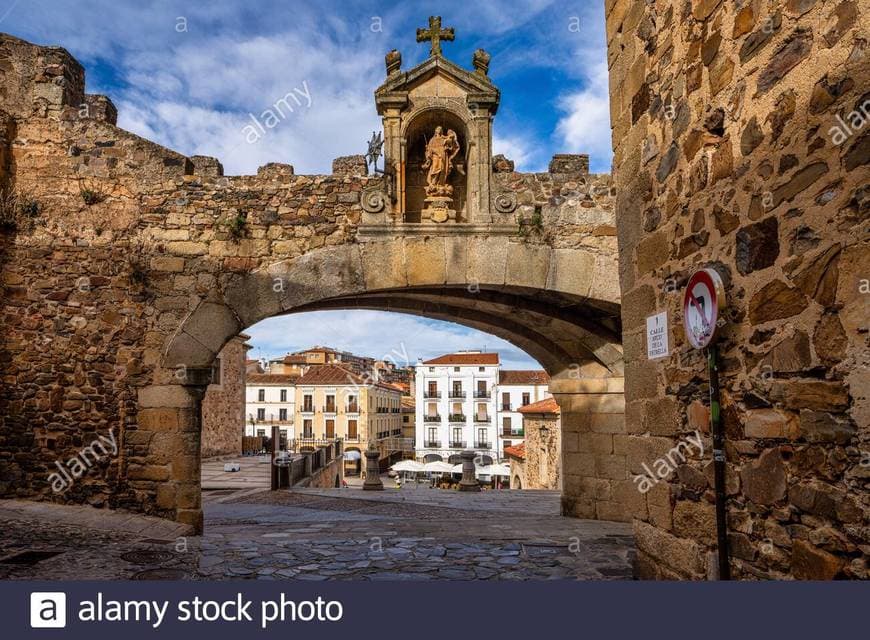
(440, 152)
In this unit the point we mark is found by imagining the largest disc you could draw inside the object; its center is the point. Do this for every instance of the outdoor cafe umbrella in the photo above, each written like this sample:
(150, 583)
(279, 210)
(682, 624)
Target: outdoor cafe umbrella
(494, 470)
(408, 465)
(438, 467)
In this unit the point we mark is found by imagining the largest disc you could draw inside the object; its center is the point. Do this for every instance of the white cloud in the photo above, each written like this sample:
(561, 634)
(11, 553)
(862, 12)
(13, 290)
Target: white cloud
(585, 127)
(514, 148)
(363, 332)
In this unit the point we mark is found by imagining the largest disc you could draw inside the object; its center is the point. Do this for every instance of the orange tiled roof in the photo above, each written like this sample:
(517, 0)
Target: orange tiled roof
(408, 403)
(271, 378)
(547, 405)
(536, 376)
(465, 358)
(517, 451)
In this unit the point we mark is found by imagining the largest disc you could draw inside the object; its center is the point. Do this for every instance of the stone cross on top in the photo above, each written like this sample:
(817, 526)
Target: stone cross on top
(436, 34)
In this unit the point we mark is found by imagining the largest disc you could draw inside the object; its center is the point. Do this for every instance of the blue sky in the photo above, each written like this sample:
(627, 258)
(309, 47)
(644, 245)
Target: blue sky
(188, 74)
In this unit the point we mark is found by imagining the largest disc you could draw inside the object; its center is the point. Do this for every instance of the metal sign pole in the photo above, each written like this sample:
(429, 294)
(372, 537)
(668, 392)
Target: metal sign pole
(718, 461)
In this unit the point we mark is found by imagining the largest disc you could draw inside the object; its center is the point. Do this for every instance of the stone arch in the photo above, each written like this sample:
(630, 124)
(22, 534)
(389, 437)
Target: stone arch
(559, 305)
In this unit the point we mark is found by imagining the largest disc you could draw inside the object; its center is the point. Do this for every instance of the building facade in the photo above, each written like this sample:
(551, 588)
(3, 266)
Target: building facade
(270, 400)
(334, 402)
(455, 406)
(517, 389)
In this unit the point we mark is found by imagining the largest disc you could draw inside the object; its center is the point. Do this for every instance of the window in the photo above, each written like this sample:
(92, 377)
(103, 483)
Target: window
(481, 438)
(431, 369)
(481, 411)
(481, 369)
(526, 399)
(307, 429)
(456, 440)
(432, 438)
(330, 403)
(457, 389)
(351, 430)
(283, 395)
(261, 414)
(506, 423)
(261, 433)
(282, 415)
(308, 403)
(352, 405)
(261, 395)
(456, 369)
(330, 428)
(505, 401)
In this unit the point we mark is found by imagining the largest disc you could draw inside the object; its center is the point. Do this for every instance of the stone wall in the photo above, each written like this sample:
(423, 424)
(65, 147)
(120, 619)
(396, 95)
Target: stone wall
(142, 263)
(730, 151)
(223, 406)
(542, 467)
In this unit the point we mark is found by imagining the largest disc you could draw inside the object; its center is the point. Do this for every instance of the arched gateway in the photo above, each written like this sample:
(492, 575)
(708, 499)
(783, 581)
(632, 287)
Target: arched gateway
(143, 263)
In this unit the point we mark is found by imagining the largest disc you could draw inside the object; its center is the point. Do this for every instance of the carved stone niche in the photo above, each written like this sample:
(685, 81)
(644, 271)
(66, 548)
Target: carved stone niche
(413, 105)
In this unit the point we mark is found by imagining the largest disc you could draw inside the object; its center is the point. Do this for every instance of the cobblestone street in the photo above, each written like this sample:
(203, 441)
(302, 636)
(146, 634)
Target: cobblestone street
(339, 534)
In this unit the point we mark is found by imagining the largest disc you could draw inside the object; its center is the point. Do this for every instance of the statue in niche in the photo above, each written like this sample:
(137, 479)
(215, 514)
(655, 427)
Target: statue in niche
(440, 152)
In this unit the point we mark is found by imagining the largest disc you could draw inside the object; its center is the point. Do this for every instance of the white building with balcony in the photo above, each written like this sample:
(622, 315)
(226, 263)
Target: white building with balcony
(516, 389)
(455, 406)
(270, 400)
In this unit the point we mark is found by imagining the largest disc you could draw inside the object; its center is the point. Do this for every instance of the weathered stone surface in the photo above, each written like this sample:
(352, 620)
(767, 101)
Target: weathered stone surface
(786, 57)
(751, 137)
(817, 426)
(829, 339)
(757, 246)
(811, 563)
(764, 480)
(810, 394)
(769, 423)
(775, 301)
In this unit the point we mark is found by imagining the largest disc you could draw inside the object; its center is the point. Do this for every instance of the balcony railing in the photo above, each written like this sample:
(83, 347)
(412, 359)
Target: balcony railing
(432, 444)
(352, 408)
(513, 433)
(330, 408)
(308, 409)
(457, 417)
(482, 394)
(457, 444)
(431, 394)
(482, 445)
(457, 393)
(505, 407)
(431, 418)
(481, 418)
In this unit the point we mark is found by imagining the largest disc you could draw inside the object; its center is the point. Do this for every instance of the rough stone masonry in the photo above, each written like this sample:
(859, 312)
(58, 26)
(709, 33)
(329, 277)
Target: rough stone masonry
(725, 123)
(126, 268)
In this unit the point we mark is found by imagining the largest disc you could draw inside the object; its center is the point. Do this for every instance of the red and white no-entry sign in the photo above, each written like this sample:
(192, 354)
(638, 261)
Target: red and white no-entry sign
(702, 302)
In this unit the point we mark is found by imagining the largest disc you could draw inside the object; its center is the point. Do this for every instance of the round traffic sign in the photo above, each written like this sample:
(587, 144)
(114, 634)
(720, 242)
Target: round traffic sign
(702, 302)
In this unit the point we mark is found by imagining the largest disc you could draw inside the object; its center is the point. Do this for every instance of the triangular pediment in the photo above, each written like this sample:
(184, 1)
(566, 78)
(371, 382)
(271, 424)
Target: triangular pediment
(435, 70)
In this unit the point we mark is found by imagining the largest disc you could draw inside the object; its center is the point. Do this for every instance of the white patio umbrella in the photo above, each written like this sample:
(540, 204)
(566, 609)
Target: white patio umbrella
(456, 468)
(408, 465)
(495, 470)
(439, 467)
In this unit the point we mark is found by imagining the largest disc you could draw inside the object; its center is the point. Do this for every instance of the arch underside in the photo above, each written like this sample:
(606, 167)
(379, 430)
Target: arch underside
(557, 332)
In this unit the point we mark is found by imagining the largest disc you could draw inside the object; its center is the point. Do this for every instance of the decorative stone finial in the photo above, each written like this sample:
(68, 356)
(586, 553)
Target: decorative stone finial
(435, 34)
(480, 60)
(393, 61)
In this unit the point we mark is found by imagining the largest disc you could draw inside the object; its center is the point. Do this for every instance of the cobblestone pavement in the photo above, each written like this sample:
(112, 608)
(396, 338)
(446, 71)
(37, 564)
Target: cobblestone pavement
(339, 534)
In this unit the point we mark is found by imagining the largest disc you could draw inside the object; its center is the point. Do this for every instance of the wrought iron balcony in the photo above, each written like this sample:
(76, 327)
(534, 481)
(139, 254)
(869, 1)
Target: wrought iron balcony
(431, 418)
(432, 444)
(457, 393)
(352, 408)
(457, 444)
(431, 394)
(457, 417)
(513, 433)
(506, 407)
(481, 419)
(482, 445)
(482, 394)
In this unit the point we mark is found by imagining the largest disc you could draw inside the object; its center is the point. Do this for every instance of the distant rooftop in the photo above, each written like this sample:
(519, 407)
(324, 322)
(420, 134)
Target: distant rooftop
(535, 376)
(466, 358)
